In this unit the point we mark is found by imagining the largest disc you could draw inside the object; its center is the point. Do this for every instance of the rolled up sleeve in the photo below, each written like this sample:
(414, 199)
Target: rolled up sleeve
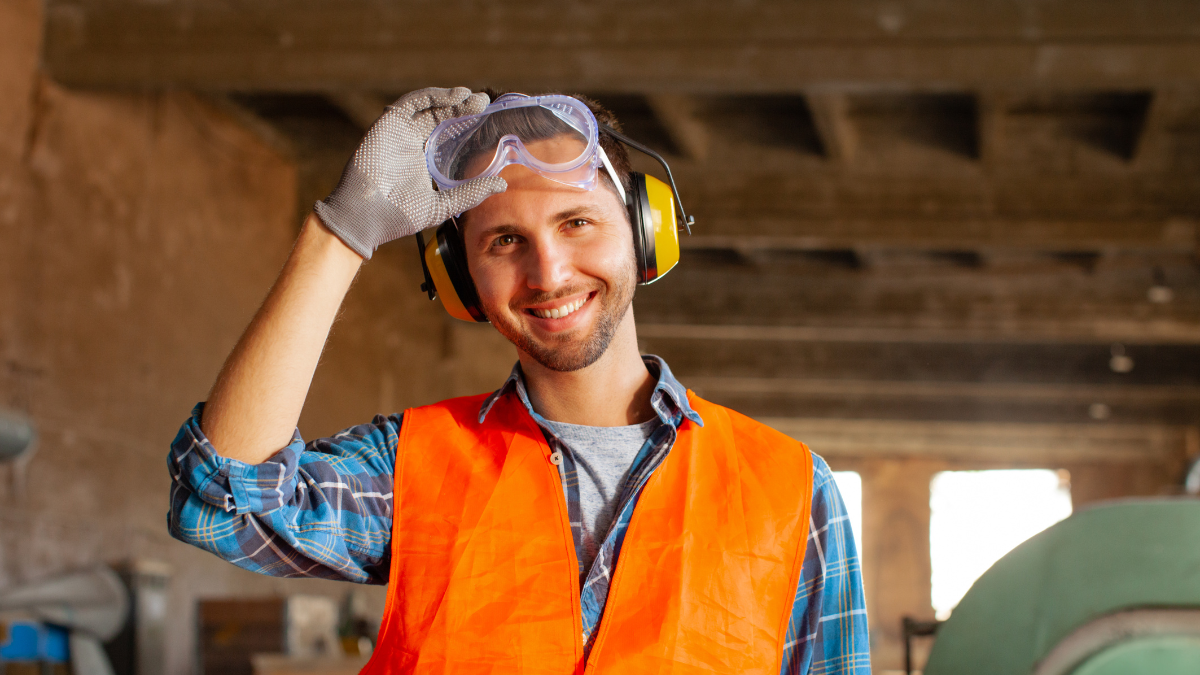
(322, 509)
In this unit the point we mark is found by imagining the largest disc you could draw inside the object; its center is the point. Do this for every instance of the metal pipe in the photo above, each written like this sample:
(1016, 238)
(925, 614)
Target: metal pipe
(17, 436)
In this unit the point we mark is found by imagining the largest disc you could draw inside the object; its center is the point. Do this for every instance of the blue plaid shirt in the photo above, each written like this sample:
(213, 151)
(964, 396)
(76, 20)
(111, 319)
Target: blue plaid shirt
(325, 510)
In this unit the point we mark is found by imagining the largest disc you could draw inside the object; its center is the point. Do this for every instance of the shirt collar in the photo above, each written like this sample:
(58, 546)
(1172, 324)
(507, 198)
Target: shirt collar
(669, 398)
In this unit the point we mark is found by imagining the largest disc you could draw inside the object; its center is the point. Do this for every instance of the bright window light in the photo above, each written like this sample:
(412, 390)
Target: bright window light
(978, 516)
(849, 483)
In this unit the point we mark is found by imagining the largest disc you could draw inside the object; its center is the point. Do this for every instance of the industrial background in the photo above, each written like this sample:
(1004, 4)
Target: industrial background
(930, 235)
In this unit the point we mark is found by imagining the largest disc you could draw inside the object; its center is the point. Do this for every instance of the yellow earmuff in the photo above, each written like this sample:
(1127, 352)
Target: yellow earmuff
(446, 276)
(655, 237)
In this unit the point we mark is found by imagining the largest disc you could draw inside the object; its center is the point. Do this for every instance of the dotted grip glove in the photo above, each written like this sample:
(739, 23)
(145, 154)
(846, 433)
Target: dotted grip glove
(386, 192)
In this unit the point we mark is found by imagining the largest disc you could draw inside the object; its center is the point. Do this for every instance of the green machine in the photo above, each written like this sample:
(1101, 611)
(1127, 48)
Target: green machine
(1112, 590)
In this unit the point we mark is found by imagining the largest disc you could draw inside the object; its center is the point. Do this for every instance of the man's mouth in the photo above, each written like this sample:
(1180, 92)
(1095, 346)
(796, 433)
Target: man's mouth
(561, 311)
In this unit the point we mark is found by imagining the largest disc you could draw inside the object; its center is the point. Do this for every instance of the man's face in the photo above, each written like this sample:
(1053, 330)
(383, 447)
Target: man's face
(553, 264)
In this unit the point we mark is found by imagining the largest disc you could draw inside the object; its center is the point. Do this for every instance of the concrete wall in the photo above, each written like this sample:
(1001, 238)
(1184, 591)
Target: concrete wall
(138, 233)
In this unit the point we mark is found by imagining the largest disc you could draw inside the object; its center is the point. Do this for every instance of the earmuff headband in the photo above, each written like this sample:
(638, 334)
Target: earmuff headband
(686, 220)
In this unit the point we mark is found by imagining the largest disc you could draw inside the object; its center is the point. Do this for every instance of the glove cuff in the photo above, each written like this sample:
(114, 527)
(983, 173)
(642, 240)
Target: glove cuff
(359, 214)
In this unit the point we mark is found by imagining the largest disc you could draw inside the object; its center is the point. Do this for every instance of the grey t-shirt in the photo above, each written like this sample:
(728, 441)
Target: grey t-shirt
(603, 457)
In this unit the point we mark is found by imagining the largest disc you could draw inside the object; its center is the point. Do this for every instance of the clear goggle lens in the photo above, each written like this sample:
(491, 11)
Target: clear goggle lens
(554, 136)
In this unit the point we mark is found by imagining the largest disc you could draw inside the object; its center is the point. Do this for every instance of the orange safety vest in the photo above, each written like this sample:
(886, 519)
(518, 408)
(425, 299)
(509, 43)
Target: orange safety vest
(484, 577)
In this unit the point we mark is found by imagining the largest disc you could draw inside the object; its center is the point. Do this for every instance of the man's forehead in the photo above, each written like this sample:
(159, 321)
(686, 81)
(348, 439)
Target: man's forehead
(532, 200)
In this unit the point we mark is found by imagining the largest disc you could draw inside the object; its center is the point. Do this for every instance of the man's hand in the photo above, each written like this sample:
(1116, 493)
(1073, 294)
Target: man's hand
(386, 191)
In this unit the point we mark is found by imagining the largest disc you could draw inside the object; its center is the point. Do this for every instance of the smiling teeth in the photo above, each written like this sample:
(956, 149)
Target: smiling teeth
(559, 312)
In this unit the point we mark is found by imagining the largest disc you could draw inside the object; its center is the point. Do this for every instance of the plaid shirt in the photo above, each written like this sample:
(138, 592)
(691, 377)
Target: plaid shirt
(325, 510)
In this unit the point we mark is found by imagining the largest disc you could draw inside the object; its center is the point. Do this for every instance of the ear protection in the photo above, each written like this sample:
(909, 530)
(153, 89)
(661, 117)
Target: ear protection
(651, 205)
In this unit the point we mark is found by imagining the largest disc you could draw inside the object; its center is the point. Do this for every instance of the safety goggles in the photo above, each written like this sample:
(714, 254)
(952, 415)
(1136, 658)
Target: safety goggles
(554, 136)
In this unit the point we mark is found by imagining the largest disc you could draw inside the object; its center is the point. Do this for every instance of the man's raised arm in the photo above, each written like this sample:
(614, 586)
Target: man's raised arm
(255, 404)
(385, 193)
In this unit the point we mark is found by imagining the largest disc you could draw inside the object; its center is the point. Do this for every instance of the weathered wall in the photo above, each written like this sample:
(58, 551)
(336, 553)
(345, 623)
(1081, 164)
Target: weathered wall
(138, 233)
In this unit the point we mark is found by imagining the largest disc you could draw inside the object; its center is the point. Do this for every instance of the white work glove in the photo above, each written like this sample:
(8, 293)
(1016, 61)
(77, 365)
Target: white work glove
(386, 191)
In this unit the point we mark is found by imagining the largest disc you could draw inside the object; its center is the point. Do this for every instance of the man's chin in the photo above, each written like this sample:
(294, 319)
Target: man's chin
(567, 360)
(562, 353)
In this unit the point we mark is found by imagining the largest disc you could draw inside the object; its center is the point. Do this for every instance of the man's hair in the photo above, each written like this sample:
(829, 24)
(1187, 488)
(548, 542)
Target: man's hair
(533, 123)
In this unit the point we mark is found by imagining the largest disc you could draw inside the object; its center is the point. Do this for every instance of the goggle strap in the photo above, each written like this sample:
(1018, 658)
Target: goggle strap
(612, 173)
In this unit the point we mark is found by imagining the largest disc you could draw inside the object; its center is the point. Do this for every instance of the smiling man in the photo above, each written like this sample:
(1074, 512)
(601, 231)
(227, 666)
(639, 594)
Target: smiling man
(591, 513)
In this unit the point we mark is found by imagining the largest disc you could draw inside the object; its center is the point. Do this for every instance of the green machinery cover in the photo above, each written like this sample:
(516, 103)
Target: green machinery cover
(1117, 556)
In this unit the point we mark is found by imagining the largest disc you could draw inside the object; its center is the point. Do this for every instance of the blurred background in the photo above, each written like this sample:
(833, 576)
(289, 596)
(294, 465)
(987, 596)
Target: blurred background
(950, 244)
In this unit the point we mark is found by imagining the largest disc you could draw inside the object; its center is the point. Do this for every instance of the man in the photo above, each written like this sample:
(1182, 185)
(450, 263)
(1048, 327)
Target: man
(589, 513)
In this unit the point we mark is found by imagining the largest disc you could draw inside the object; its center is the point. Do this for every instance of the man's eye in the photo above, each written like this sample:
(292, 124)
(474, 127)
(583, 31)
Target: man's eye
(578, 222)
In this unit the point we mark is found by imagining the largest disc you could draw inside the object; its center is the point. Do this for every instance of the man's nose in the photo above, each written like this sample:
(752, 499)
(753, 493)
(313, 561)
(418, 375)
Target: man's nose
(549, 265)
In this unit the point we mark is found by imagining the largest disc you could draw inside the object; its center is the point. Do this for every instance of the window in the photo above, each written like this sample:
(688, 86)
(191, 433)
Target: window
(849, 483)
(978, 516)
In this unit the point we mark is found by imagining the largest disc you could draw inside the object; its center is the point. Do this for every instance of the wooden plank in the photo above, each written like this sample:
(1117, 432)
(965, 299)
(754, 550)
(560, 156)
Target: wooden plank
(949, 370)
(776, 46)
(1017, 391)
(230, 631)
(691, 69)
(361, 107)
(950, 408)
(1009, 444)
(1171, 236)
(831, 116)
(1083, 332)
(992, 382)
(331, 23)
(799, 190)
(1169, 109)
(991, 109)
(677, 114)
(830, 300)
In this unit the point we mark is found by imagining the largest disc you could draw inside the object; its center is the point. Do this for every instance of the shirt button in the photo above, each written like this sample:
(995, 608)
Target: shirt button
(556, 457)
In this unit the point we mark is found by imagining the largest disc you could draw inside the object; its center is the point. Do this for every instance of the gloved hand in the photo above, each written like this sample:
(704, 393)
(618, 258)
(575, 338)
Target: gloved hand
(386, 191)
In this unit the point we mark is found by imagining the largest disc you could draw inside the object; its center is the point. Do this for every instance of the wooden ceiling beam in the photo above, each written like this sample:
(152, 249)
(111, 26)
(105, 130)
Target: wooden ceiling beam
(991, 108)
(1169, 236)
(831, 116)
(706, 47)
(361, 107)
(676, 114)
(1043, 445)
(947, 407)
(994, 369)
(1033, 332)
(1169, 110)
(823, 301)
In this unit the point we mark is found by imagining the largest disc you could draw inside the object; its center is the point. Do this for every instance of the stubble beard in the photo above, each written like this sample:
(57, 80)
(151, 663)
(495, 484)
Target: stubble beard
(567, 353)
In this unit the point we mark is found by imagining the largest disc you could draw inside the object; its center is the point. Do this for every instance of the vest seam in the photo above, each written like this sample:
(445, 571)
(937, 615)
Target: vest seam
(801, 551)
(402, 440)
(569, 539)
(614, 585)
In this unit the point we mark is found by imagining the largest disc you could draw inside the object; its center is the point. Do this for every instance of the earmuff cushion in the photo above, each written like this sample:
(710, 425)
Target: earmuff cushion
(454, 257)
(643, 229)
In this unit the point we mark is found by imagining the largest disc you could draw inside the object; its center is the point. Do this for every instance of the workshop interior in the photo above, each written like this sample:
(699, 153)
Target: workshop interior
(953, 246)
